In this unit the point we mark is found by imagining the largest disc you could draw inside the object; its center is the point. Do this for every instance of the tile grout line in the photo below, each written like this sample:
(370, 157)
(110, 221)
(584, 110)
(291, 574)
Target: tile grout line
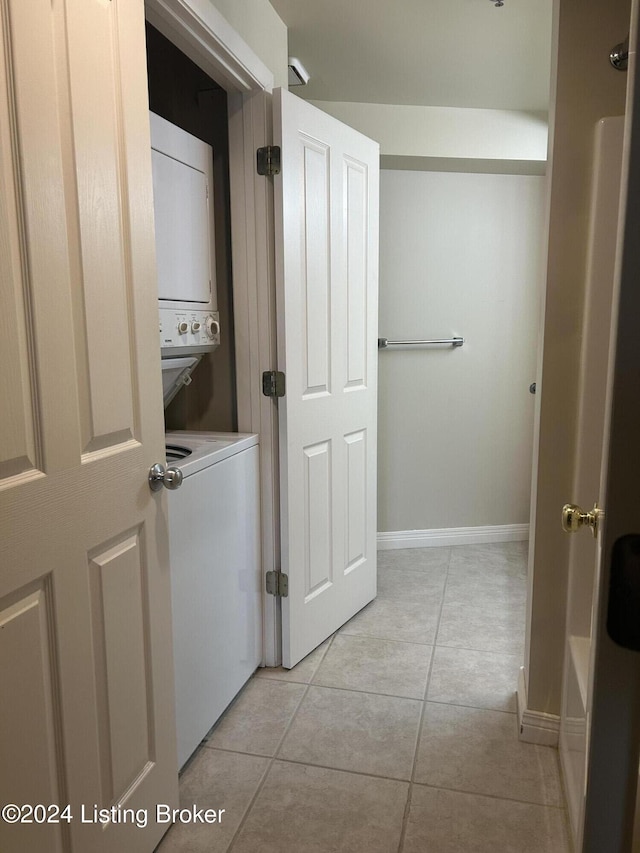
(384, 639)
(369, 692)
(464, 791)
(273, 758)
(352, 689)
(481, 651)
(471, 707)
(299, 763)
(413, 643)
(407, 809)
(470, 793)
(398, 696)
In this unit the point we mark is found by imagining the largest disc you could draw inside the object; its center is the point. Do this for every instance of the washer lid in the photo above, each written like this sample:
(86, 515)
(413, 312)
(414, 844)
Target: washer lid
(207, 448)
(176, 372)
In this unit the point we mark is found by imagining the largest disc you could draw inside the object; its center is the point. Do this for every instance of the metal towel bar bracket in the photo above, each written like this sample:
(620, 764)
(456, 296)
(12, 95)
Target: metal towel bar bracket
(383, 343)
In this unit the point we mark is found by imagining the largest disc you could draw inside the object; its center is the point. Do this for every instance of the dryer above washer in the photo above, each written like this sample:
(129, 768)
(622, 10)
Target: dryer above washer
(189, 323)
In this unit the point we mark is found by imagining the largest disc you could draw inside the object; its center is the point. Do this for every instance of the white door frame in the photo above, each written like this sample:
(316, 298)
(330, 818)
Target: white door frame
(207, 38)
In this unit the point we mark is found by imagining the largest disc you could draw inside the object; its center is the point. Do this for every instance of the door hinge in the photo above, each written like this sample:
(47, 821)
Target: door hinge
(278, 584)
(273, 383)
(268, 160)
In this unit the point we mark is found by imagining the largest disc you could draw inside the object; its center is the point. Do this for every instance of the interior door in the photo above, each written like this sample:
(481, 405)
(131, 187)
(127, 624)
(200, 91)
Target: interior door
(86, 705)
(614, 679)
(326, 202)
(596, 334)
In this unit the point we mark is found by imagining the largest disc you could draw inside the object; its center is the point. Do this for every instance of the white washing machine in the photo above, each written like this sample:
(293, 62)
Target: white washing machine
(214, 531)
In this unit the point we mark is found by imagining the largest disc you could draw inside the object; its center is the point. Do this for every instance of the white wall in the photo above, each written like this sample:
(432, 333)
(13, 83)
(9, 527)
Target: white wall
(258, 23)
(513, 138)
(460, 254)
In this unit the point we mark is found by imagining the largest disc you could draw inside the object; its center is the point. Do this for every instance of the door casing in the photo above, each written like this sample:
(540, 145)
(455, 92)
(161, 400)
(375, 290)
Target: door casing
(210, 41)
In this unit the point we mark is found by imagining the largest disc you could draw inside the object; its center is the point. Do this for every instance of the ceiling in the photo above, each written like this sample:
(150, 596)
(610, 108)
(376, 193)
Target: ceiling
(454, 53)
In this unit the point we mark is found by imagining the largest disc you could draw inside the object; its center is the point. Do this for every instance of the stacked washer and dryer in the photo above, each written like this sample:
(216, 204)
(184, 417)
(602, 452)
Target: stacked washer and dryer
(214, 516)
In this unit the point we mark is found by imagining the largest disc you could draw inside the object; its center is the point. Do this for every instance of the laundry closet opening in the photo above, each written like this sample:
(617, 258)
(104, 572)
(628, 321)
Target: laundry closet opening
(183, 94)
(212, 470)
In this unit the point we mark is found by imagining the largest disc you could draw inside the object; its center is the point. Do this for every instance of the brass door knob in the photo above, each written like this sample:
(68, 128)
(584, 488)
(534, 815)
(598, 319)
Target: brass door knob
(574, 517)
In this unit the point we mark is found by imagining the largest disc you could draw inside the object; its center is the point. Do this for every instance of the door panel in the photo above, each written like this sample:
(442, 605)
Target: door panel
(85, 648)
(317, 516)
(32, 348)
(356, 194)
(106, 401)
(326, 260)
(316, 253)
(121, 661)
(356, 499)
(28, 711)
(18, 450)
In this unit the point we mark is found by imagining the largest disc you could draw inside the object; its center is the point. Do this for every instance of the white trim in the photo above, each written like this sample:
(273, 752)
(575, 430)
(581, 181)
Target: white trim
(208, 39)
(452, 536)
(535, 726)
(573, 795)
(254, 324)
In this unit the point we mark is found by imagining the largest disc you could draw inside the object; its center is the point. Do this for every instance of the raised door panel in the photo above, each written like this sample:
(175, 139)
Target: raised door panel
(121, 651)
(19, 439)
(356, 205)
(316, 267)
(318, 517)
(35, 343)
(356, 498)
(18, 426)
(30, 745)
(103, 311)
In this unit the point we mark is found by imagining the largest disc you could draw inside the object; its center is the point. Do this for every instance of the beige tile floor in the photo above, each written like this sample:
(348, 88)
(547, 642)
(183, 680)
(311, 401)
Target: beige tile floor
(397, 735)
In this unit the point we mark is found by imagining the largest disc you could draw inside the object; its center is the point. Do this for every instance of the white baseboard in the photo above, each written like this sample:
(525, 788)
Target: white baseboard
(452, 536)
(535, 726)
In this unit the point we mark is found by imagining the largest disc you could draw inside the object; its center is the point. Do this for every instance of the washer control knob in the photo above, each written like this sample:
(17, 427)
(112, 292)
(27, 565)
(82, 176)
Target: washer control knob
(196, 326)
(183, 328)
(212, 327)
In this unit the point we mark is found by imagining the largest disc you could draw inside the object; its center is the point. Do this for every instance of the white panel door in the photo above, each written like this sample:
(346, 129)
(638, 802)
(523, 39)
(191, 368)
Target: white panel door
(326, 201)
(613, 741)
(86, 704)
(587, 486)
